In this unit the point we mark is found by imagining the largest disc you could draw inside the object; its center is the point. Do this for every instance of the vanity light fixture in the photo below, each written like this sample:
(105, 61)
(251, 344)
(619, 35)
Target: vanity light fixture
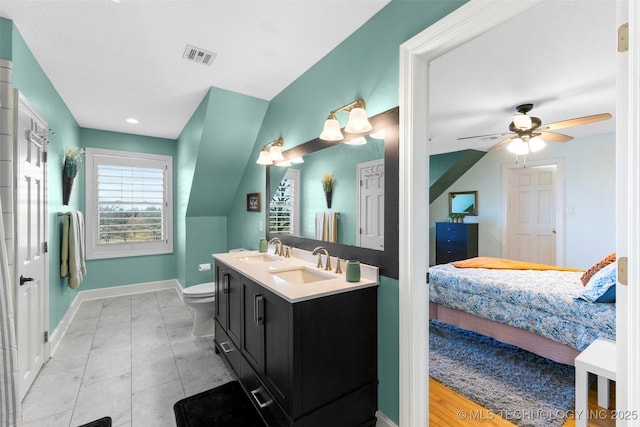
(379, 134)
(358, 121)
(361, 140)
(271, 152)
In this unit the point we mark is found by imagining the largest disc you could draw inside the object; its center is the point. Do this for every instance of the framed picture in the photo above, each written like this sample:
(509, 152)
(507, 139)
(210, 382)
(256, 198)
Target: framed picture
(253, 202)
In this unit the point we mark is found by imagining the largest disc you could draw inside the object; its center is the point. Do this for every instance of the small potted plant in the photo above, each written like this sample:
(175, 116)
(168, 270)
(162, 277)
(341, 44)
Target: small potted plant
(328, 182)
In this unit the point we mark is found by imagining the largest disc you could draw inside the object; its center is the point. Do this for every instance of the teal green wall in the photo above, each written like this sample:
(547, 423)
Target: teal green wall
(340, 161)
(103, 273)
(206, 236)
(188, 143)
(365, 65)
(213, 150)
(29, 78)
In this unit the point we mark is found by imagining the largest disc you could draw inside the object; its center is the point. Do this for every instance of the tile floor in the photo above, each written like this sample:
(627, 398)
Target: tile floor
(130, 358)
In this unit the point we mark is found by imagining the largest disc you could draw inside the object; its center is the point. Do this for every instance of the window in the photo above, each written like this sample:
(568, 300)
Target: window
(284, 213)
(129, 204)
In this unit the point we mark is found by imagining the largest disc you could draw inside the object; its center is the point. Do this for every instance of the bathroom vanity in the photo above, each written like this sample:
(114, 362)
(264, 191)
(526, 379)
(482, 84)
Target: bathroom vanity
(301, 340)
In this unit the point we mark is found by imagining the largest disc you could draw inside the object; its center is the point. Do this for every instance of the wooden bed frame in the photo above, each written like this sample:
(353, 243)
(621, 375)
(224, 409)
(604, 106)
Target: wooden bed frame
(505, 333)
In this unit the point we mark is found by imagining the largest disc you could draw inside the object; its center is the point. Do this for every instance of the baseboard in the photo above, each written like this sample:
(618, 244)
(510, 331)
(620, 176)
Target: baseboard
(383, 421)
(56, 336)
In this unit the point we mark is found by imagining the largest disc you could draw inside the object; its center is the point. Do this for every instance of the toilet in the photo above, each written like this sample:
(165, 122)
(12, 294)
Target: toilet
(201, 299)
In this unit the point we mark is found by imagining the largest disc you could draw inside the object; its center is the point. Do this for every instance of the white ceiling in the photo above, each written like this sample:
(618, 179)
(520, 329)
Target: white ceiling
(113, 60)
(110, 61)
(558, 55)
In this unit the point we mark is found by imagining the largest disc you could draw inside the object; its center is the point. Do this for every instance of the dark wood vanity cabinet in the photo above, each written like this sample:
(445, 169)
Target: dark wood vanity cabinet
(311, 363)
(456, 241)
(227, 301)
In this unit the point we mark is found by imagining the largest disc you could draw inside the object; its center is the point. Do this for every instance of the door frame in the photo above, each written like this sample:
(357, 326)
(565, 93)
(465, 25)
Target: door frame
(560, 190)
(463, 24)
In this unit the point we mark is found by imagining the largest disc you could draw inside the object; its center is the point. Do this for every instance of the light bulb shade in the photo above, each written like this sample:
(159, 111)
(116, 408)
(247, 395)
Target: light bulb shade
(264, 158)
(361, 140)
(331, 130)
(518, 146)
(536, 144)
(275, 153)
(379, 134)
(358, 121)
(521, 121)
(297, 160)
(284, 163)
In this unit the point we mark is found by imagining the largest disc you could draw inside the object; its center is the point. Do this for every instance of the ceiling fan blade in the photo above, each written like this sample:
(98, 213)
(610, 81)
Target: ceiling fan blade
(554, 136)
(501, 143)
(486, 136)
(575, 122)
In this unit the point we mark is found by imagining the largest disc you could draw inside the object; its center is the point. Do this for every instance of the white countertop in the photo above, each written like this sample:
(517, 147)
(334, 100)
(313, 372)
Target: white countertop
(260, 272)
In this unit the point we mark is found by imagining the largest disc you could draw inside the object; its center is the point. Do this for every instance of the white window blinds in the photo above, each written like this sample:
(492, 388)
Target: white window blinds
(129, 204)
(283, 208)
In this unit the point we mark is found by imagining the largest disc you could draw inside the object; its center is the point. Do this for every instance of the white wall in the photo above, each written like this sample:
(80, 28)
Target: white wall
(590, 198)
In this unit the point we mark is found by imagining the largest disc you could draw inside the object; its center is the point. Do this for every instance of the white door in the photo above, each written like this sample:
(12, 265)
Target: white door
(371, 205)
(531, 216)
(31, 298)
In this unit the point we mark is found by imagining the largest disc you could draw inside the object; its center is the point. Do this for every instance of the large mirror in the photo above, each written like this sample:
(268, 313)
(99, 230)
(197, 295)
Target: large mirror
(361, 220)
(463, 202)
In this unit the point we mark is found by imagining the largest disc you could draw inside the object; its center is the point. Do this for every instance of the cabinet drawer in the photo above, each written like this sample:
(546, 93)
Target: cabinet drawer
(261, 399)
(228, 349)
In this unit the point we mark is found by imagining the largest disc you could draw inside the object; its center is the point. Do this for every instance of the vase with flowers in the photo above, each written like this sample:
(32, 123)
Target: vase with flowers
(328, 182)
(72, 160)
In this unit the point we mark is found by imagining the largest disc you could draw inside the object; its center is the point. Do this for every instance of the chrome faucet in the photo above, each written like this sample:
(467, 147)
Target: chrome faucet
(278, 244)
(317, 251)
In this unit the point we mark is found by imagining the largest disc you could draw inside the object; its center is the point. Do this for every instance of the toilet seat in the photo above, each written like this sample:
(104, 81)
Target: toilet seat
(200, 291)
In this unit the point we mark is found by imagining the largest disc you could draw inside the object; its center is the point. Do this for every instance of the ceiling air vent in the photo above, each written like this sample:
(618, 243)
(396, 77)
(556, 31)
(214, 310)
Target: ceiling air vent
(200, 56)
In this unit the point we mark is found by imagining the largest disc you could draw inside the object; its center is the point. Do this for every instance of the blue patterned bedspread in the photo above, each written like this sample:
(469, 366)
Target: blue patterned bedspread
(542, 302)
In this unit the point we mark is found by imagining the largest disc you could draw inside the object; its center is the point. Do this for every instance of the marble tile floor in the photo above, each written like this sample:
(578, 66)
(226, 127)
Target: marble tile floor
(130, 358)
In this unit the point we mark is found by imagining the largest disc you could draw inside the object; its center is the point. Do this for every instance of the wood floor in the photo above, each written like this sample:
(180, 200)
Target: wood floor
(447, 408)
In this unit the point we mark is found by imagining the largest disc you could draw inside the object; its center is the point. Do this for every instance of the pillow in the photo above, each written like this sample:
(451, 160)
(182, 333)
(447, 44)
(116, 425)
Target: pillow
(602, 286)
(597, 267)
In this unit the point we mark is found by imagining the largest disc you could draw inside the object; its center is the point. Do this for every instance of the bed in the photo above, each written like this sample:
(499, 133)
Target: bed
(540, 310)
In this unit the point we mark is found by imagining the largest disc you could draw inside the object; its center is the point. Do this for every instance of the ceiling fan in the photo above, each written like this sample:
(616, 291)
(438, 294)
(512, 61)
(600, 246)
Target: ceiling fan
(528, 134)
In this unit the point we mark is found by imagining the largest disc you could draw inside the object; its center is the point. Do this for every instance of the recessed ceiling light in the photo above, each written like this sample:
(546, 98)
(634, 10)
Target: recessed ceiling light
(132, 120)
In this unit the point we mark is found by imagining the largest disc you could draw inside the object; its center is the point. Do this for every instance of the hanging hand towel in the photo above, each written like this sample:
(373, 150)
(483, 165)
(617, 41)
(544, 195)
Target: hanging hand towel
(330, 232)
(73, 250)
(319, 225)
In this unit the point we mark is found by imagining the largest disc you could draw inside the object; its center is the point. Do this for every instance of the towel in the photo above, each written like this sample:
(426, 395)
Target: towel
(73, 249)
(330, 231)
(327, 226)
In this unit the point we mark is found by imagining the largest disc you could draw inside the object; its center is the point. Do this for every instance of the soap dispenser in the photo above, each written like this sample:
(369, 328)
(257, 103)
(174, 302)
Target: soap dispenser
(263, 246)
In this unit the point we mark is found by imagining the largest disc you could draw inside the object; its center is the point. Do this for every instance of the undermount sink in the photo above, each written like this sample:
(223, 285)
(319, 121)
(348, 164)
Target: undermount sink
(255, 258)
(300, 275)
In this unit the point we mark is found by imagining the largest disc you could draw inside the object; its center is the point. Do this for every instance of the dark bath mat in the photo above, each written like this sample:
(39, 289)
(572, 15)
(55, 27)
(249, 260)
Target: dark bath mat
(223, 406)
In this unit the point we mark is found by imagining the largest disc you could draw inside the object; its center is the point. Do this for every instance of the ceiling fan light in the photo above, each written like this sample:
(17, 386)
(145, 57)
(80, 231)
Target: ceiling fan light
(522, 121)
(331, 130)
(264, 158)
(536, 144)
(358, 121)
(518, 146)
